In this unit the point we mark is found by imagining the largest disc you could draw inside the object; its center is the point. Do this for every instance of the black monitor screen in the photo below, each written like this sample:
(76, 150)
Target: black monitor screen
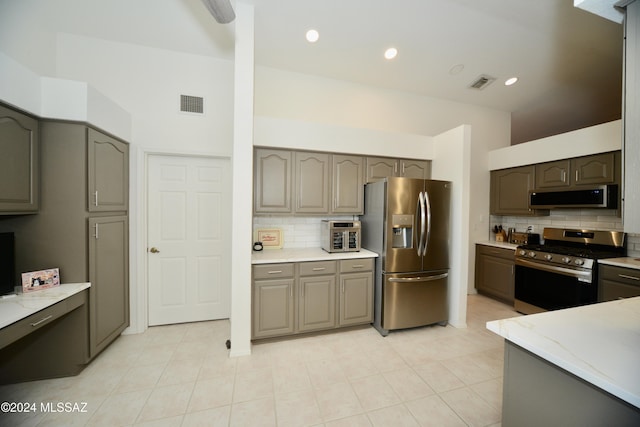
(7, 263)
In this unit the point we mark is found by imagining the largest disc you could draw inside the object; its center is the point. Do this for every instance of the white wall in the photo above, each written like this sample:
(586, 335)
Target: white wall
(452, 162)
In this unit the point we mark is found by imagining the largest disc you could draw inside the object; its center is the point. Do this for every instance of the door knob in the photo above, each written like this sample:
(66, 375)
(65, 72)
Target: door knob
(154, 250)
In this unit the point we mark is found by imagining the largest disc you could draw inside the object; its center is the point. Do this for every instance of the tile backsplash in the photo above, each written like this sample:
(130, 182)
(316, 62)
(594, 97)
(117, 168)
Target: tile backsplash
(593, 219)
(298, 231)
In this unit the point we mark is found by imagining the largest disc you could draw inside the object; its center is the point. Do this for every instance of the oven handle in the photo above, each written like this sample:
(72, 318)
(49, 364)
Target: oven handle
(583, 276)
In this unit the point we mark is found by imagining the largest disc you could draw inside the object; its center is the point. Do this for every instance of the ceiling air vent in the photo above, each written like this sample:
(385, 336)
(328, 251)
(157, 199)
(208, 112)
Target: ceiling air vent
(482, 82)
(191, 104)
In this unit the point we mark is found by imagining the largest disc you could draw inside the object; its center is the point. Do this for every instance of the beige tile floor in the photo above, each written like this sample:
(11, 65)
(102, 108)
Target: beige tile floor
(181, 375)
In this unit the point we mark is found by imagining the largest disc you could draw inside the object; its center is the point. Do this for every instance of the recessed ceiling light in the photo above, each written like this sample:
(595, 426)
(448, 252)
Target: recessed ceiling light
(510, 81)
(312, 36)
(391, 53)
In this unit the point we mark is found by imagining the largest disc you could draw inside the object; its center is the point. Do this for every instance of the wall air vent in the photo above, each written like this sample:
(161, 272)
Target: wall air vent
(191, 104)
(482, 82)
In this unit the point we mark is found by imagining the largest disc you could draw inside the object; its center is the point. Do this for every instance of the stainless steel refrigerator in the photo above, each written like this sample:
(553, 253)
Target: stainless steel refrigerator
(406, 221)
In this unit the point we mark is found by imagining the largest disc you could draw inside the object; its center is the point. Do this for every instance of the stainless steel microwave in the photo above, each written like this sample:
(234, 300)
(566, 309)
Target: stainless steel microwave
(602, 196)
(341, 236)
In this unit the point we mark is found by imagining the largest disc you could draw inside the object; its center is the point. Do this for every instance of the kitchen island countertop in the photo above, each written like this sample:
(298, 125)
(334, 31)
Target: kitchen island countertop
(598, 343)
(274, 256)
(626, 262)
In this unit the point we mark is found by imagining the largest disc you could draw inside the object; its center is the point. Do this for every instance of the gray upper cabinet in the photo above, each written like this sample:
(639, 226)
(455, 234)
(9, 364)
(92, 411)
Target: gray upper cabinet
(63, 233)
(272, 181)
(596, 169)
(510, 191)
(378, 168)
(348, 184)
(19, 167)
(420, 169)
(311, 182)
(553, 174)
(108, 173)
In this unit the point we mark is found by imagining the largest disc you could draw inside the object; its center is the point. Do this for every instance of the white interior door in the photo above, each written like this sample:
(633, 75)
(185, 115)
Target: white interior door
(189, 222)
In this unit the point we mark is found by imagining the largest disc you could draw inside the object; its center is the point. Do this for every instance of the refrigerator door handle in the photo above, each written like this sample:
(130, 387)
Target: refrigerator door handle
(421, 214)
(419, 279)
(427, 202)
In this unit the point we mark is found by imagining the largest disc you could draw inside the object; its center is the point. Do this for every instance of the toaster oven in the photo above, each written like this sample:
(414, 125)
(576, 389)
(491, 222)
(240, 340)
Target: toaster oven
(340, 236)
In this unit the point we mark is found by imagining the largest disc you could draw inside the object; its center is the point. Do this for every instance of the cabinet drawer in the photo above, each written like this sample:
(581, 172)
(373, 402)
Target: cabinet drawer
(497, 252)
(627, 276)
(356, 265)
(317, 268)
(272, 271)
(43, 317)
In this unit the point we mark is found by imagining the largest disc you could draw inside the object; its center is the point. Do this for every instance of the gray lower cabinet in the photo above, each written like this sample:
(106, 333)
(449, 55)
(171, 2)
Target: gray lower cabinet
(617, 283)
(109, 270)
(495, 272)
(273, 301)
(316, 295)
(292, 298)
(19, 158)
(63, 233)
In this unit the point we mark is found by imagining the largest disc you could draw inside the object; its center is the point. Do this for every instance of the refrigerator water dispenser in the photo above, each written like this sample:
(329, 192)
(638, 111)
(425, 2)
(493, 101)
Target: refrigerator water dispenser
(402, 236)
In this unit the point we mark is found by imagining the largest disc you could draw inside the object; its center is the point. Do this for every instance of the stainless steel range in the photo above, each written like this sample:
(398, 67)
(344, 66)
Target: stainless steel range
(562, 272)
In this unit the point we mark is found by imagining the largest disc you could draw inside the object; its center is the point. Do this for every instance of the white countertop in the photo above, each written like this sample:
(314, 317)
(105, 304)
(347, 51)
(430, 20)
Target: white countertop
(503, 245)
(272, 256)
(626, 262)
(24, 305)
(599, 343)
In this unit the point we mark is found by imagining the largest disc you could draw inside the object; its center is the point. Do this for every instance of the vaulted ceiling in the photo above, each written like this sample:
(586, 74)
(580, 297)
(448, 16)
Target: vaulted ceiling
(568, 61)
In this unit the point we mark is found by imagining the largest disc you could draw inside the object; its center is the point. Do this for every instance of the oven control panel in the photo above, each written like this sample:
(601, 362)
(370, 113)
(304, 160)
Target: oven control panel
(558, 259)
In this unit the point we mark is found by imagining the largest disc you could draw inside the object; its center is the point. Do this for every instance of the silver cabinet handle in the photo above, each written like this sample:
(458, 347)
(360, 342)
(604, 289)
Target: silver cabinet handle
(274, 272)
(95, 198)
(624, 276)
(358, 266)
(96, 230)
(34, 324)
(319, 268)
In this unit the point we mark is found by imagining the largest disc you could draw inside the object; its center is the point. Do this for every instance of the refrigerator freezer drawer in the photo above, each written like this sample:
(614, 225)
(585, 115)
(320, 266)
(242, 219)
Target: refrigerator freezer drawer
(414, 300)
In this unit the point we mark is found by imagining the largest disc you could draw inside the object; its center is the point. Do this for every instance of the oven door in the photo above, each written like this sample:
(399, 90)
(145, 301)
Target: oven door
(542, 287)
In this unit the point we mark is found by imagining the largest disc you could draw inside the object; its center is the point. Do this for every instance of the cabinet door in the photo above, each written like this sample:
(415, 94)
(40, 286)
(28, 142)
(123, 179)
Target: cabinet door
(379, 168)
(273, 312)
(510, 191)
(312, 183)
(348, 184)
(553, 174)
(272, 181)
(420, 169)
(108, 165)
(596, 169)
(18, 162)
(316, 303)
(109, 277)
(495, 274)
(356, 298)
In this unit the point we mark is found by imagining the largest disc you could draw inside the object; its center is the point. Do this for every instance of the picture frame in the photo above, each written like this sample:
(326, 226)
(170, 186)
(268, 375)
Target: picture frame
(271, 238)
(39, 280)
